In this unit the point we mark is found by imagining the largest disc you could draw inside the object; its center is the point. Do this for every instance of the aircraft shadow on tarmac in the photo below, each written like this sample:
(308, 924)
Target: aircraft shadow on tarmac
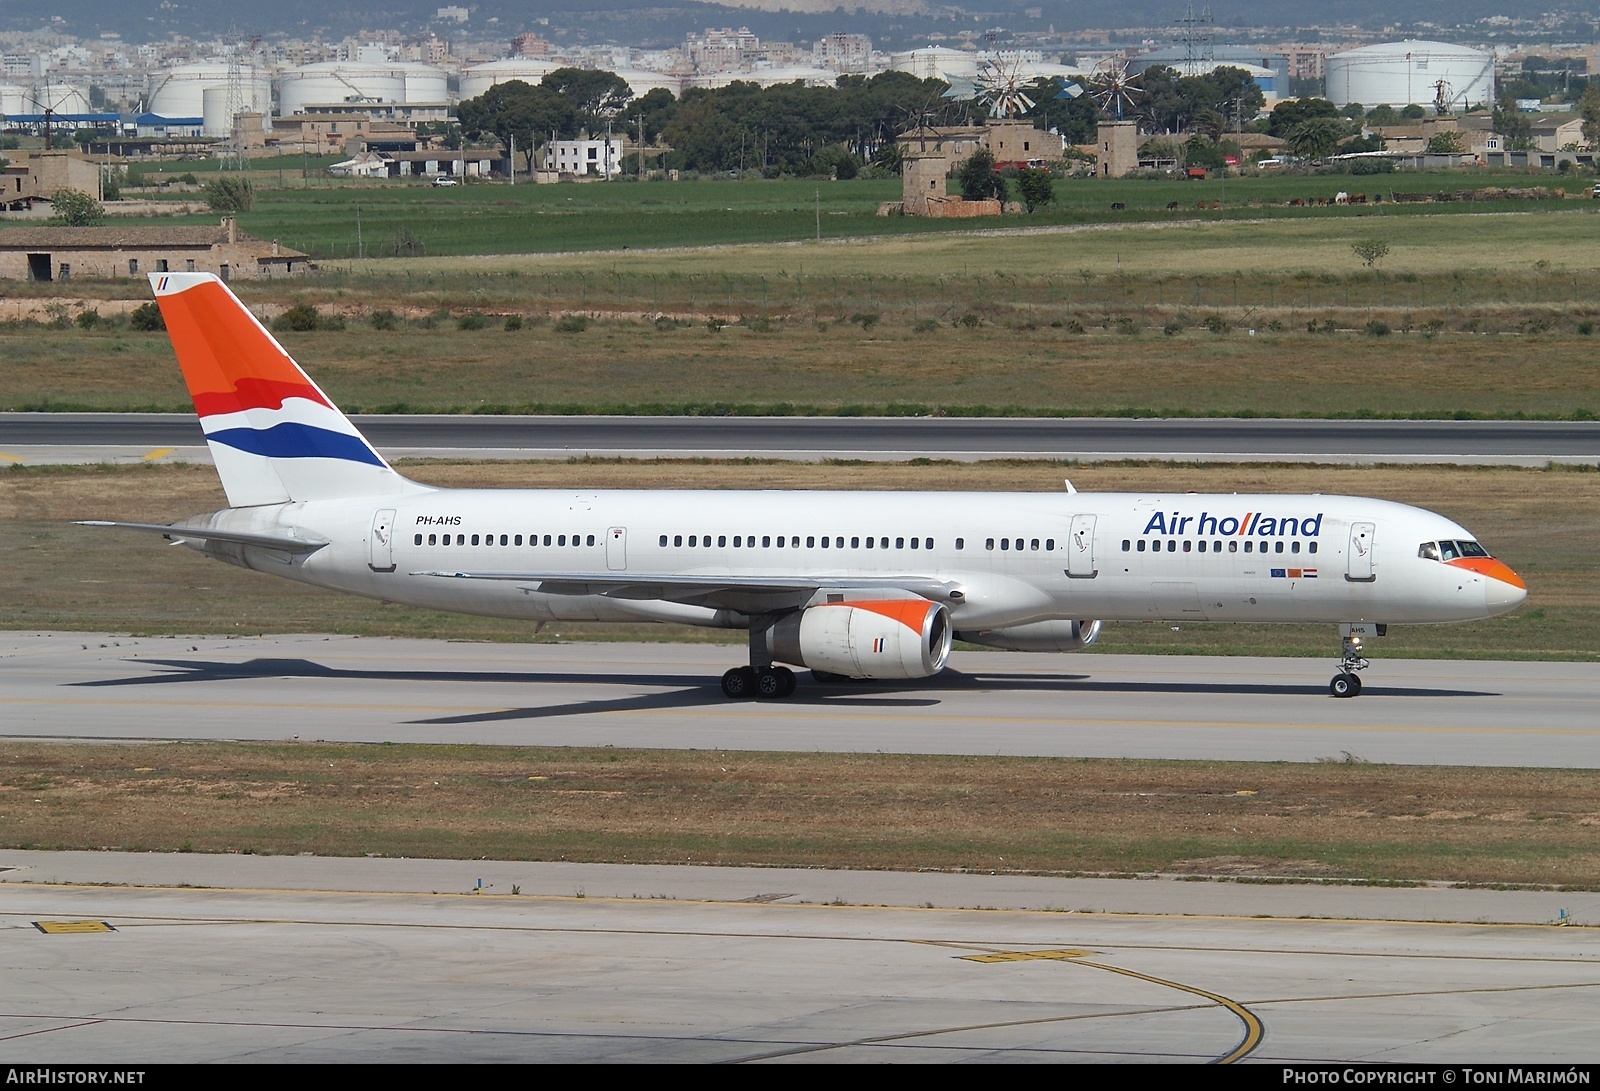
(676, 691)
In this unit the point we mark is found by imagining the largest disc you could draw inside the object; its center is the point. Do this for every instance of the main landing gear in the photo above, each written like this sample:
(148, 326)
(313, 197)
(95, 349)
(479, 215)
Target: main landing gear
(1347, 683)
(760, 678)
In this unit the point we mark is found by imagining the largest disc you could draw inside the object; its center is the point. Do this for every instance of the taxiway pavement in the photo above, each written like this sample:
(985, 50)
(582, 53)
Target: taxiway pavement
(233, 958)
(97, 686)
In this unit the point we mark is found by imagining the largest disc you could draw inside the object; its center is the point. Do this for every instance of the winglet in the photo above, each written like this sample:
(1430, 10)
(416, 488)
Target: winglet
(274, 435)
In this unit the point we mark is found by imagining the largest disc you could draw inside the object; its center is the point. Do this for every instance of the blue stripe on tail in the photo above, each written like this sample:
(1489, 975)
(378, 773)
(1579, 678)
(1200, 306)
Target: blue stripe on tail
(290, 440)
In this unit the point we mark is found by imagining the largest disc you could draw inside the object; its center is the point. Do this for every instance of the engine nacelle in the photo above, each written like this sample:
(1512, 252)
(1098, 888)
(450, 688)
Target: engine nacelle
(891, 638)
(1037, 636)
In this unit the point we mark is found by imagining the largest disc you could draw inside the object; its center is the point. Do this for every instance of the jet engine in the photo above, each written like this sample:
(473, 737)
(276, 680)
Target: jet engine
(892, 638)
(1037, 636)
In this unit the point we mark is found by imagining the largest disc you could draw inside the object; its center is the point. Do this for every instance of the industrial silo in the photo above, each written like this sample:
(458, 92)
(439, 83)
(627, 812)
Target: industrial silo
(480, 77)
(333, 82)
(1403, 73)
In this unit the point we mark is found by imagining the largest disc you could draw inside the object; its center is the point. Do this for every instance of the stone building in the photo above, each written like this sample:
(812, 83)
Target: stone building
(66, 253)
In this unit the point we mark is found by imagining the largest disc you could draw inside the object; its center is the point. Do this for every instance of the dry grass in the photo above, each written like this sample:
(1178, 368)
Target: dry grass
(58, 576)
(1332, 820)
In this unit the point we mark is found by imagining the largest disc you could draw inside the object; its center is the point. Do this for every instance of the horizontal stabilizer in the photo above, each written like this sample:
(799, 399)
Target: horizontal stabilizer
(200, 534)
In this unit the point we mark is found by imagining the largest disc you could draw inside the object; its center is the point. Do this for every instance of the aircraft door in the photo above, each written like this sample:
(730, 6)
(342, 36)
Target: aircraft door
(380, 545)
(1080, 549)
(617, 549)
(1360, 565)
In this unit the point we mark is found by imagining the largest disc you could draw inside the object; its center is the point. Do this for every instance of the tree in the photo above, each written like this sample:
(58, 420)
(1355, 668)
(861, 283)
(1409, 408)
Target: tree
(230, 193)
(979, 179)
(1291, 113)
(1447, 143)
(1036, 187)
(594, 96)
(1370, 251)
(517, 110)
(1317, 137)
(74, 208)
(1589, 107)
(1513, 124)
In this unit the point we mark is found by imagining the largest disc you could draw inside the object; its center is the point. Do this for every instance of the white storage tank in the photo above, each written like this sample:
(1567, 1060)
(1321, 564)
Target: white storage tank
(480, 77)
(340, 81)
(60, 98)
(13, 99)
(936, 63)
(1403, 73)
(424, 83)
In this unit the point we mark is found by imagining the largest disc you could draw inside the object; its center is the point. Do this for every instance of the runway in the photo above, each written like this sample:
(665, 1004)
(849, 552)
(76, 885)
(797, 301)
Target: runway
(238, 958)
(76, 685)
(99, 437)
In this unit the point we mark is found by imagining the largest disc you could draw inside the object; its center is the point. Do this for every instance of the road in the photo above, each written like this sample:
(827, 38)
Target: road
(69, 437)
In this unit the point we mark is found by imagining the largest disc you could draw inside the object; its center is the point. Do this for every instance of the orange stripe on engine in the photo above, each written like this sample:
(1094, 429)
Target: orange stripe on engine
(909, 612)
(1488, 566)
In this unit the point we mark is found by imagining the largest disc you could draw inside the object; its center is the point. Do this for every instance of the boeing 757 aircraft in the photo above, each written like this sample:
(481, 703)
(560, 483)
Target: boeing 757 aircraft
(853, 584)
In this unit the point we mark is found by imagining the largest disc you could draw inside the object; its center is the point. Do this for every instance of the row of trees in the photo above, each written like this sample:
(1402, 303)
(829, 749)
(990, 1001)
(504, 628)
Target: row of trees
(788, 128)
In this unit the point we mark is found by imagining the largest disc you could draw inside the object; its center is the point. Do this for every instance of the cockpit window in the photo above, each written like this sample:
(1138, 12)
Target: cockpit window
(1448, 551)
(1472, 549)
(1428, 551)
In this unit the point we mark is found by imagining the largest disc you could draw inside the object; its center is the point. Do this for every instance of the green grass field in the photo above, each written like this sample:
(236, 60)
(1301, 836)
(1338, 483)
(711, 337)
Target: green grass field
(331, 218)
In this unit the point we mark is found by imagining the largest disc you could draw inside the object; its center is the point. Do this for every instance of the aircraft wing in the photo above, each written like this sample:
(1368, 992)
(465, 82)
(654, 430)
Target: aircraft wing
(177, 532)
(759, 594)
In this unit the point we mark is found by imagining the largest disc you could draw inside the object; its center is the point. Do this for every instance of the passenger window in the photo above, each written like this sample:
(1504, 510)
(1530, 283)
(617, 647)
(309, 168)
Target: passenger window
(504, 540)
(961, 543)
(1172, 546)
(474, 539)
(663, 541)
(1202, 545)
(1216, 547)
(899, 543)
(693, 538)
(591, 540)
(1247, 546)
(1312, 548)
(988, 543)
(1034, 545)
(811, 541)
(914, 543)
(1294, 547)
(1050, 544)
(1005, 544)
(824, 541)
(855, 543)
(433, 539)
(562, 540)
(766, 541)
(794, 542)
(418, 540)
(870, 542)
(518, 540)
(927, 543)
(446, 540)
(1233, 547)
(1186, 545)
(1141, 545)
(547, 539)
(461, 539)
(779, 542)
(1277, 547)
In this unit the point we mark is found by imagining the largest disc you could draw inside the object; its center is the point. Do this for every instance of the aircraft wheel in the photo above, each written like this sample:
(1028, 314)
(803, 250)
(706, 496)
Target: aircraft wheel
(1344, 684)
(739, 683)
(769, 684)
(786, 676)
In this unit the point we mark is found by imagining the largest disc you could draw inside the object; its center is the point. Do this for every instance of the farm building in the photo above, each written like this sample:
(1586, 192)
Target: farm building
(64, 253)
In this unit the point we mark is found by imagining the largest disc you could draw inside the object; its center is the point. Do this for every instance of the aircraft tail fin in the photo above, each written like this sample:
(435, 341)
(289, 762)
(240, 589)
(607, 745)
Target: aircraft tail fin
(274, 435)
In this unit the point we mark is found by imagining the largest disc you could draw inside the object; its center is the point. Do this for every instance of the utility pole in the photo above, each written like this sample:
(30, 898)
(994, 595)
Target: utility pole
(513, 159)
(641, 147)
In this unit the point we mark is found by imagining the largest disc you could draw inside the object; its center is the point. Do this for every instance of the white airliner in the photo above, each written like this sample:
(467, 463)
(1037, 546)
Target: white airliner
(854, 584)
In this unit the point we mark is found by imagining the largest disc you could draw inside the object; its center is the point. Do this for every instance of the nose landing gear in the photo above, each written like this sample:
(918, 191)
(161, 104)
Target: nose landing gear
(1347, 683)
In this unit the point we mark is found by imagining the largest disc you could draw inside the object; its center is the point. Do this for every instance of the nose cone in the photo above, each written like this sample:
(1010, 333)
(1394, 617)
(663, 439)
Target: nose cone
(1504, 590)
